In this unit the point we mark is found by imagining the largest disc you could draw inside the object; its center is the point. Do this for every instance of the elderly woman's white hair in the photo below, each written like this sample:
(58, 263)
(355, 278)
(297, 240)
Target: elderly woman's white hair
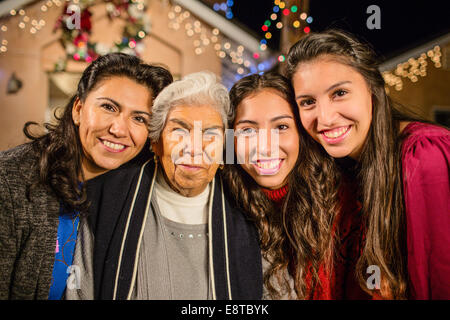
(201, 88)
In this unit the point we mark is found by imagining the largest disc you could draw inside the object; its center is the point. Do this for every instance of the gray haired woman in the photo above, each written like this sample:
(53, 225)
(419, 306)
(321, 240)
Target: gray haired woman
(176, 234)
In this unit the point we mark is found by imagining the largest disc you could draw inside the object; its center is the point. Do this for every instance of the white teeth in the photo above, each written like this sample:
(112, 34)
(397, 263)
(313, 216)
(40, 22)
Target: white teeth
(114, 146)
(335, 133)
(268, 164)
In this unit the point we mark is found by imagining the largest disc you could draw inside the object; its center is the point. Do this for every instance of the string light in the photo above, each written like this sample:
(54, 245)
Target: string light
(413, 68)
(27, 22)
(281, 7)
(178, 18)
(226, 7)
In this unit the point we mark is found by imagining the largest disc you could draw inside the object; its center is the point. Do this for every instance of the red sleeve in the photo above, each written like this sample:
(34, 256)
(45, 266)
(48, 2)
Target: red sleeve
(427, 197)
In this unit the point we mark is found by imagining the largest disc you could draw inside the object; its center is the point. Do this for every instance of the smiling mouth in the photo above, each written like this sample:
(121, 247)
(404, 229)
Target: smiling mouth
(335, 135)
(269, 166)
(113, 147)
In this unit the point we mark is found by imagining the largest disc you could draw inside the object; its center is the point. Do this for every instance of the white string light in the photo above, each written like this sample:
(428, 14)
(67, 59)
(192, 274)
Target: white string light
(413, 69)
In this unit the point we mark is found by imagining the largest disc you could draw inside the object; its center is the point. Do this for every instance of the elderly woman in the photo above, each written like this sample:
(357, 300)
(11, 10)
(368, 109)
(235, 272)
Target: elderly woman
(173, 232)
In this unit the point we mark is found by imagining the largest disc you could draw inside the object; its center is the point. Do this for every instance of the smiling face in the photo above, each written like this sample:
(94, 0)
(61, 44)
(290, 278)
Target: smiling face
(190, 147)
(267, 139)
(112, 124)
(335, 105)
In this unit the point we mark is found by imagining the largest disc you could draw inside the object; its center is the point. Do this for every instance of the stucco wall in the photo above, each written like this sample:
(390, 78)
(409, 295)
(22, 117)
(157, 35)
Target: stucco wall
(31, 57)
(430, 91)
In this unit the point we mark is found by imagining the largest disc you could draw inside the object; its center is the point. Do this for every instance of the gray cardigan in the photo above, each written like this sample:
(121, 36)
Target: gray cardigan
(28, 227)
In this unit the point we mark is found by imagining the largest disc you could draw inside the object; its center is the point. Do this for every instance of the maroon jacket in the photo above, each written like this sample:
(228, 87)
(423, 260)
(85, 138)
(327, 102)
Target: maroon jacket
(426, 190)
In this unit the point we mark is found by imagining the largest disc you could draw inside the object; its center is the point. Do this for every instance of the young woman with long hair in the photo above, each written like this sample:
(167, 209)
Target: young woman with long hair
(269, 142)
(42, 183)
(395, 165)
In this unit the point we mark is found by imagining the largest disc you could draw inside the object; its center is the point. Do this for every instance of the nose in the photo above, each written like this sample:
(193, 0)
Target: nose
(268, 142)
(326, 115)
(193, 145)
(119, 127)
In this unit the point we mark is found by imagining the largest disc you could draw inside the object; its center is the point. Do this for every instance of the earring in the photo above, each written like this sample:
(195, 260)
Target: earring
(155, 158)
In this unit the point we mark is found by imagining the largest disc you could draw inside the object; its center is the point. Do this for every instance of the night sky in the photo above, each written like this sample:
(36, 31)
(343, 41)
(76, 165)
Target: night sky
(405, 24)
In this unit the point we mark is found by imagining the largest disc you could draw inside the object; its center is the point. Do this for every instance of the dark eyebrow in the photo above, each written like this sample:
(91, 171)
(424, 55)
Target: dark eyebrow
(329, 89)
(141, 112)
(280, 117)
(110, 100)
(337, 85)
(182, 123)
(246, 121)
(119, 106)
(271, 120)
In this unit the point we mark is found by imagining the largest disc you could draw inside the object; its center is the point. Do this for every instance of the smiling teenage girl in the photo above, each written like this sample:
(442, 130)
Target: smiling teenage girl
(399, 168)
(265, 122)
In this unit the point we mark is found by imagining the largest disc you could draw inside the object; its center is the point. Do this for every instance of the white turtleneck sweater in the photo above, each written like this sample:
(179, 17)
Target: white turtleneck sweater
(178, 208)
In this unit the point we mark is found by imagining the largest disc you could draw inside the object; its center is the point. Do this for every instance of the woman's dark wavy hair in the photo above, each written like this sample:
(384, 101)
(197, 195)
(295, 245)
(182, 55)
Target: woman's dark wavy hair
(60, 151)
(275, 245)
(379, 172)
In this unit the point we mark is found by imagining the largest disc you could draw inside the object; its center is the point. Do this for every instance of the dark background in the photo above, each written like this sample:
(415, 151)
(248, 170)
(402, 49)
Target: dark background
(404, 24)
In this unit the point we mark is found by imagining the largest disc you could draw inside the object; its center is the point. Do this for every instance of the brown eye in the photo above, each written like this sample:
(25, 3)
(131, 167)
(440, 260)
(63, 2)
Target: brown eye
(108, 107)
(140, 119)
(306, 102)
(340, 93)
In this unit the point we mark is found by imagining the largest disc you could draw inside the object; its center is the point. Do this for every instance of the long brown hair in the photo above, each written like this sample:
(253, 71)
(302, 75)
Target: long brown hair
(275, 245)
(379, 167)
(59, 150)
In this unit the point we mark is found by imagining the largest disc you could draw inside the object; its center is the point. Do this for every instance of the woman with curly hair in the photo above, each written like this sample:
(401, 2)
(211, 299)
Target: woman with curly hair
(269, 142)
(394, 164)
(42, 183)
